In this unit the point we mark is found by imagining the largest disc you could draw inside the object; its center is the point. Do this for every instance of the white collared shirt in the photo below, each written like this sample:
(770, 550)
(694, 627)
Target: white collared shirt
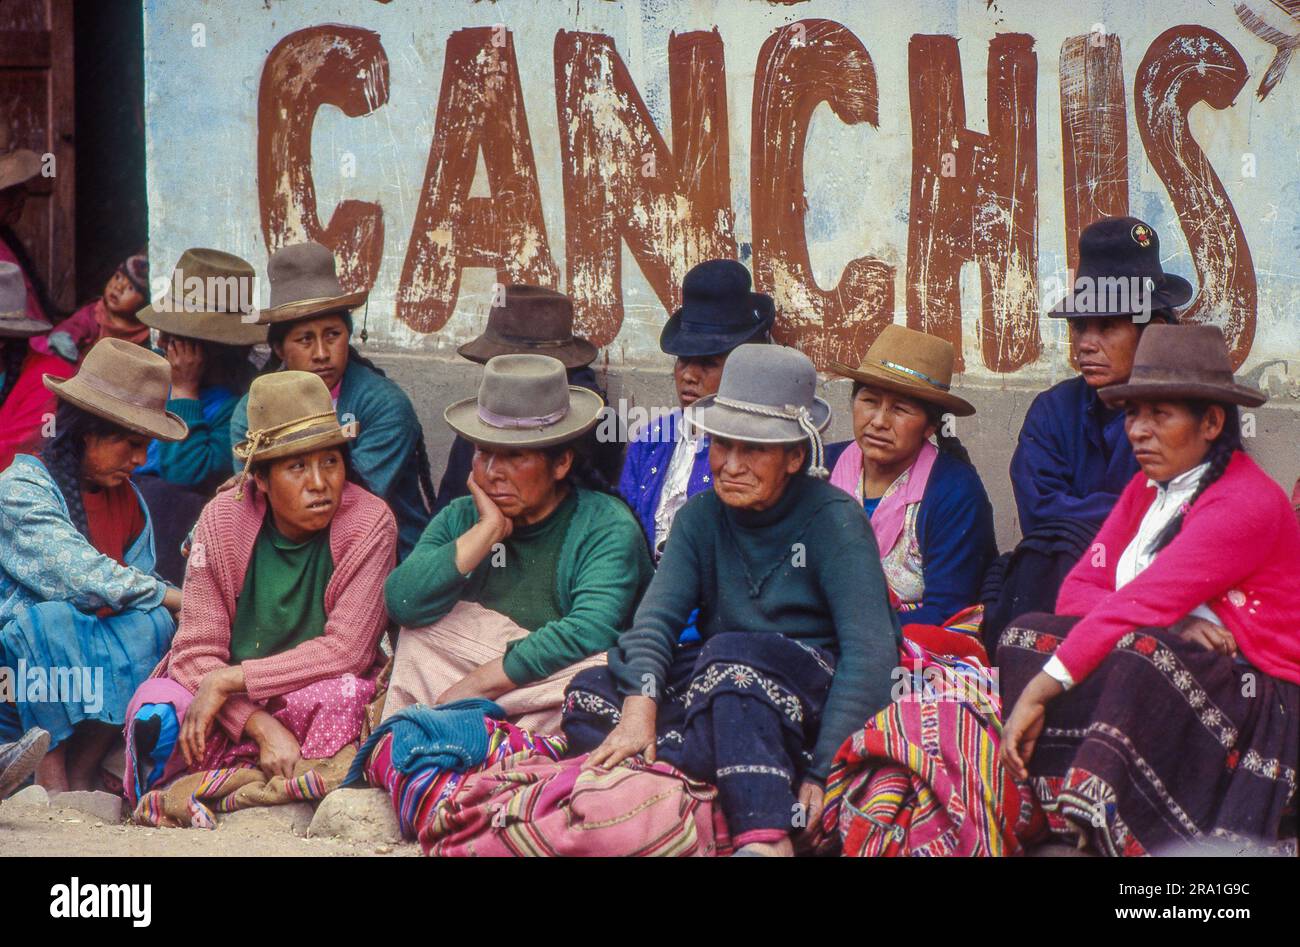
(1137, 555)
(672, 496)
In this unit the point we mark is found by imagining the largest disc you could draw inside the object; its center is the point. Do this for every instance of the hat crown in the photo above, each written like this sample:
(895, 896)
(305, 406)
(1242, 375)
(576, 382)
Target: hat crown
(209, 280)
(284, 397)
(917, 356)
(717, 294)
(301, 272)
(1119, 247)
(1180, 353)
(13, 291)
(531, 315)
(774, 376)
(128, 371)
(523, 386)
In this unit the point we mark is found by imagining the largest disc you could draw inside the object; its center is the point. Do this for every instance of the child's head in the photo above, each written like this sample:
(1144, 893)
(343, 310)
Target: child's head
(127, 289)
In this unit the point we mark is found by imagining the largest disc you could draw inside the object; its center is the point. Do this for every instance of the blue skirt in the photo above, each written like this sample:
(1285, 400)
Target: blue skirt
(64, 667)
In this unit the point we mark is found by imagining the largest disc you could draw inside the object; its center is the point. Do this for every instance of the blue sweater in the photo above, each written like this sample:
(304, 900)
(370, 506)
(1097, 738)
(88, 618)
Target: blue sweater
(384, 453)
(954, 529)
(646, 468)
(1073, 459)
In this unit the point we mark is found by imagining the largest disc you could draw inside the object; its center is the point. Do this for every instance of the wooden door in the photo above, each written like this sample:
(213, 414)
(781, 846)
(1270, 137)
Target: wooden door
(36, 91)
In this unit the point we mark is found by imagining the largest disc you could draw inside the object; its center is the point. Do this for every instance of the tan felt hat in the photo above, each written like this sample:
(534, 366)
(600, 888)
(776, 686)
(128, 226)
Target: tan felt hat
(911, 363)
(125, 383)
(304, 284)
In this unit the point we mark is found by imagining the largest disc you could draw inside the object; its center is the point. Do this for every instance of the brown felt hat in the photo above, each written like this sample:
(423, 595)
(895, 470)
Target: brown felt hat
(304, 284)
(531, 319)
(126, 384)
(1182, 362)
(911, 363)
(290, 413)
(212, 298)
(15, 323)
(525, 401)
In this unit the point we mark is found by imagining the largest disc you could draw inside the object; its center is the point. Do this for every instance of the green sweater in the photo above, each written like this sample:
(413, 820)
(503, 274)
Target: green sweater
(601, 569)
(745, 572)
(282, 603)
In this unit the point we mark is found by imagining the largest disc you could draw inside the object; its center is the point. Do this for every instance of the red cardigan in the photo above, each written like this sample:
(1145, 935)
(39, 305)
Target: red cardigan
(1238, 551)
(363, 543)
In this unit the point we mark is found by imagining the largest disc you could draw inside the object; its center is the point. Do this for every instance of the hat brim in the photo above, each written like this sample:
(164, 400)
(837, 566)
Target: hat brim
(307, 308)
(734, 424)
(574, 354)
(221, 327)
(23, 328)
(585, 409)
(1171, 292)
(161, 425)
(1244, 395)
(881, 378)
(334, 436)
(18, 167)
(682, 342)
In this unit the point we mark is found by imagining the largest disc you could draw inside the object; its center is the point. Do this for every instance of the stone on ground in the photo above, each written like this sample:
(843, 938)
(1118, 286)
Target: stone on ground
(292, 818)
(33, 795)
(357, 815)
(103, 806)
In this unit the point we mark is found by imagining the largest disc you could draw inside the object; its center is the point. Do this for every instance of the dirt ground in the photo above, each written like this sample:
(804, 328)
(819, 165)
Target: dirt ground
(53, 830)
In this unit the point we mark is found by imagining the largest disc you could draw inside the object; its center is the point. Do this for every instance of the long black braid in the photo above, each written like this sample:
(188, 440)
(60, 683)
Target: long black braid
(1221, 452)
(15, 351)
(64, 454)
(423, 471)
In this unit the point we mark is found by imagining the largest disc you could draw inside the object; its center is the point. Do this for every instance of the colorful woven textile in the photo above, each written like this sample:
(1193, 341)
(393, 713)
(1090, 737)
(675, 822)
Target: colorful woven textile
(924, 777)
(529, 805)
(1163, 748)
(418, 795)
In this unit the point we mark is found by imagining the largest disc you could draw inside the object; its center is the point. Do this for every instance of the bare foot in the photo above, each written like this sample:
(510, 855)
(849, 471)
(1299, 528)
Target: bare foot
(52, 773)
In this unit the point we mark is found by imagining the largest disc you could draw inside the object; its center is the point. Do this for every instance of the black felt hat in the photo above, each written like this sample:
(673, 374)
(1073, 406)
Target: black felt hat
(718, 312)
(1120, 273)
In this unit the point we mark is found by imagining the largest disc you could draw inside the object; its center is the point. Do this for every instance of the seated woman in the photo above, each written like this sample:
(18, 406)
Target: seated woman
(932, 519)
(798, 636)
(1168, 711)
(513, 589)
(80, 607)
(277, 649)
(207, 343)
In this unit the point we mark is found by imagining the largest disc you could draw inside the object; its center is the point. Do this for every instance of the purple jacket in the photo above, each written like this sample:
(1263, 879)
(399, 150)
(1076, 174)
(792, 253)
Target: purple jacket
(646, 469)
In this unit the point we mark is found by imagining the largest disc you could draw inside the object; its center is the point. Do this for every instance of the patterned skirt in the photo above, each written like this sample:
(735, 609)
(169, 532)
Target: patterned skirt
(740, 711)
(1164, 747)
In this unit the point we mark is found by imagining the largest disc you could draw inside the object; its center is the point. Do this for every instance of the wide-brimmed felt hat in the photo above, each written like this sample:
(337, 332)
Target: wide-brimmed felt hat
(1182, 362)
(767, 395)
(14, 321)
(718, 312)
(211, 297)
(911, 363)
(124, 383)
(305, 284)
(531, 319)
(289, 413)
(1120, 273)
(525, 401)
(17, 165)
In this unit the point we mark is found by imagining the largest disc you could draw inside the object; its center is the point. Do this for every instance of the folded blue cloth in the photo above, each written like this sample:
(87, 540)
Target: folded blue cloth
(449, 736)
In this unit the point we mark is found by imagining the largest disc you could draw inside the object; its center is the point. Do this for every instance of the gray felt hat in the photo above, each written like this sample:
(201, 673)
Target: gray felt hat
(14, 321)
(767, 396)
(525, 401)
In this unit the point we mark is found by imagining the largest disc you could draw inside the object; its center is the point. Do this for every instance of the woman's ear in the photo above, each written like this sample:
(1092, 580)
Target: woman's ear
(561, 467)
(795, 457)
(1213, 421)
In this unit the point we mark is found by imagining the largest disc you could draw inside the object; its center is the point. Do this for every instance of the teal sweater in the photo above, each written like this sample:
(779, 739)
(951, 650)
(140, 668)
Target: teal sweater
(385, 451)
(807, 568)
(602, 570)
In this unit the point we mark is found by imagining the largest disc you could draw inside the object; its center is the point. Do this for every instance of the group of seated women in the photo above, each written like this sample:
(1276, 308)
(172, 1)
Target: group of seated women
(737, 612)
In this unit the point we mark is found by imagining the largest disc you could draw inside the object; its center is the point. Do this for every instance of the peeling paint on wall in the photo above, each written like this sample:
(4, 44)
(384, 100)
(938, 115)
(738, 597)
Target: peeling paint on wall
(605, 148)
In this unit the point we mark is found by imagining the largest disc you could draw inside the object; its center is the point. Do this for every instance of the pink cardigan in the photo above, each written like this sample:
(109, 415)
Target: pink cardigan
(1238, 551)
(363, 542)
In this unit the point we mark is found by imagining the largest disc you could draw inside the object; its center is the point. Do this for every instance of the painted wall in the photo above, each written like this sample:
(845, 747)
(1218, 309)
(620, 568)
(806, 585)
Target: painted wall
(929, 162)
